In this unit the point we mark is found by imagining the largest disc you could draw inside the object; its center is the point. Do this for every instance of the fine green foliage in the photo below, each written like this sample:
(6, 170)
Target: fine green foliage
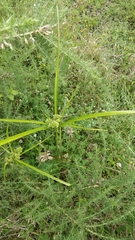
(56, 122)
(67, 132)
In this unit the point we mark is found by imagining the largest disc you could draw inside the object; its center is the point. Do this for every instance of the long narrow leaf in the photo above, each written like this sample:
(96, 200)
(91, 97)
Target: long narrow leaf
(39, 143)
(95, 115)
(43, 173)
(21, 121)
(21, 135)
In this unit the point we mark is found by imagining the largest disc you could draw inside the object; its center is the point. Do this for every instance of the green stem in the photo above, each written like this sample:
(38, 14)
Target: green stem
(60, 141)
(10, 147)
(57, 141)
(57, 70)
(5, 165)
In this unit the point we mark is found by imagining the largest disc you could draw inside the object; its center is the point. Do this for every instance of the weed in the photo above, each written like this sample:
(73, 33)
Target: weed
(57, 122)
(93, 80)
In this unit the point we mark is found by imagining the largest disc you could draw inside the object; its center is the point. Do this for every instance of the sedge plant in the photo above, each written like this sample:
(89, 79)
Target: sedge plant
(57, 123)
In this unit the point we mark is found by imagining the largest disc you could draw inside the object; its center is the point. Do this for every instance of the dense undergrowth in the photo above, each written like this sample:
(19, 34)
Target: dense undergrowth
(96, 52)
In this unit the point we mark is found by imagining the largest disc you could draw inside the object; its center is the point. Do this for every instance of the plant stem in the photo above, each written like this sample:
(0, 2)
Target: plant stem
(57, 70)
(57, 142)
(5, 165)
(60, 142)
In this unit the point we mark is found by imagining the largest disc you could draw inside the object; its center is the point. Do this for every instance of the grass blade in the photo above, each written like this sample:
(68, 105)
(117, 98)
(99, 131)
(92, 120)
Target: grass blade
(21, 135)
(39, 143)
(95, 115)
(43, 173)
(21, 121)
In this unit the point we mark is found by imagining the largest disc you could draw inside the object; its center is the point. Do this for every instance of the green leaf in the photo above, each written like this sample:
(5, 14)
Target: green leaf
(39, 143)
(21, 135)
(21, 121)
(43, 173)
(14, 92)
(11, 97)
(95, 115)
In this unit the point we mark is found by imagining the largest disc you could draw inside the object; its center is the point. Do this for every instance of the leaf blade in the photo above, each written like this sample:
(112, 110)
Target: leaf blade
(43, 173)
(20, 121)
(95, 115)
(21, 135)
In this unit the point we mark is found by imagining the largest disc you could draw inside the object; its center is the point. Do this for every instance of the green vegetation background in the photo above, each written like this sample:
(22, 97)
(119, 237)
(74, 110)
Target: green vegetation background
(97, 51)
